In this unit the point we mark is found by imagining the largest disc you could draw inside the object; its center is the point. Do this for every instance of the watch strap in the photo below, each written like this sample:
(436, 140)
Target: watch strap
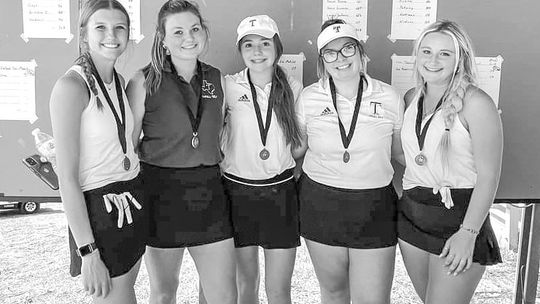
(86, 249)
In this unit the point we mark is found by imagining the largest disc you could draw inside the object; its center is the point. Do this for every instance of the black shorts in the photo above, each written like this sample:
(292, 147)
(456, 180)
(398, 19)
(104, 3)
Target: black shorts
(426, 223)
(361, 219)
(265, 215)
(187, 206)
(119, 248)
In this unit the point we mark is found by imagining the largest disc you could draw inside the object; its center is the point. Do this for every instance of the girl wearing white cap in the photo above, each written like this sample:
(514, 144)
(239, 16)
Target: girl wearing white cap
(351, 123)
(259, 133)
(452, 140)
(177, 102)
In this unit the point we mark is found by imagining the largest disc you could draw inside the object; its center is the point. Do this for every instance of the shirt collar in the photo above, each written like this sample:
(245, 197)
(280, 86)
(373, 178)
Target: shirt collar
(243, 79)
(168, 64)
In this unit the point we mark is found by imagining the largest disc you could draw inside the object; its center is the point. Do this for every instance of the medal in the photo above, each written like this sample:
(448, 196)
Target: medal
(127, 163)
(420, 159)
(195, 121)
(120, 121)
(195, 140)
(263, 129)
(264, 154)
(347, 138)
(346, 157)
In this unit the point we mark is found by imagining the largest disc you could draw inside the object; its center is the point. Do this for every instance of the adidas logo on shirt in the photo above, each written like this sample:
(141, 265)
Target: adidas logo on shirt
(326, 111)
(244, 98)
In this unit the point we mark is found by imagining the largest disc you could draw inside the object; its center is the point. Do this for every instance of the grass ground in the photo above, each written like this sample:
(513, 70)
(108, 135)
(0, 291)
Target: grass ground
(34, 268)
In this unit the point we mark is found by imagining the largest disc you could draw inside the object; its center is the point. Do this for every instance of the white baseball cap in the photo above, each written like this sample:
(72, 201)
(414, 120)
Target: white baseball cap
(261, 25)
(334, 31)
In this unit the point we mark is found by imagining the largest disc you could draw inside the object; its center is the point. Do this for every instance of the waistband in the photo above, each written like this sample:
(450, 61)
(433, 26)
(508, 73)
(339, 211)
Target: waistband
(278, 179)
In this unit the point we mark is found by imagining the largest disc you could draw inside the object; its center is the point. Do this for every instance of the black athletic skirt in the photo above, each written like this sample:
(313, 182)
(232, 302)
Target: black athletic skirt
(119, 248)
(426, 223)
(187, 206)
(264, 212)
(361, 219)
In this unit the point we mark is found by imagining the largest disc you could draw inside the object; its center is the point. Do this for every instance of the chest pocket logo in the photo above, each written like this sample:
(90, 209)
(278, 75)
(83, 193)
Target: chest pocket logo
(208, 90)
(376, 109)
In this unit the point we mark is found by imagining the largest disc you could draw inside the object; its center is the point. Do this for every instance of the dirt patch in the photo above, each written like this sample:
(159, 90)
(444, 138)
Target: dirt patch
(34, 268)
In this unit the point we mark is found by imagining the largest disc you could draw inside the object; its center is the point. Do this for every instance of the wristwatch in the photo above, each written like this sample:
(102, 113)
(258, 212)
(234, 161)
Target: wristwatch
(86, 249)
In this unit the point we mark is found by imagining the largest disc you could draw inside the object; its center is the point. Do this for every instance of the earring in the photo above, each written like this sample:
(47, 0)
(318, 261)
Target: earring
(167, 52)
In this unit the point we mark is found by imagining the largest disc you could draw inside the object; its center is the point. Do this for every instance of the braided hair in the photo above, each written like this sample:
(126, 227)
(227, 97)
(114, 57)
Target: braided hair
(463, 76)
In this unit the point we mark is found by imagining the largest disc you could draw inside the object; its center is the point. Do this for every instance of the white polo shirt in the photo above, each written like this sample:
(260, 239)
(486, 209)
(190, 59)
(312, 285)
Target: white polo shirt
(380, 115)
(241, 142)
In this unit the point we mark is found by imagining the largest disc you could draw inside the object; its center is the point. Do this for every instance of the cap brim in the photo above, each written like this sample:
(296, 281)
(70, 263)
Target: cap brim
(264, 33)
(341, 30)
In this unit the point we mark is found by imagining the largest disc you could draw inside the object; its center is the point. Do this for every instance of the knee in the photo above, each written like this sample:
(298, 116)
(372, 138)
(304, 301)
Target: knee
(336, 290)
(163, 292)
(247, 278)
(276, 294)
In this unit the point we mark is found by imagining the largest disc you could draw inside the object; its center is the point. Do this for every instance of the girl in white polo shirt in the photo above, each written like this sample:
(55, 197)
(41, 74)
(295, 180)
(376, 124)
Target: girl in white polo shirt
(347, 202)
(452, 140)
(260, 131)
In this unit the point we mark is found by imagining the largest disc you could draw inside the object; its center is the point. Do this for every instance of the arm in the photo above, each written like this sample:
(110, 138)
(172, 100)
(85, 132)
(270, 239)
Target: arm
(481, 118)
(484, 124)
(397, 149)
(68, 100)
(298, 152)
(136, 93)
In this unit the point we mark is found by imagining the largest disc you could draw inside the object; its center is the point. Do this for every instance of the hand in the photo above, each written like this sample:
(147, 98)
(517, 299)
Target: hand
(95, 276)
(458, 252)
(121, 201)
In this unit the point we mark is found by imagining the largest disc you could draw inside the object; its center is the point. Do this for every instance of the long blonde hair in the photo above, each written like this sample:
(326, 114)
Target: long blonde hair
(464, 75)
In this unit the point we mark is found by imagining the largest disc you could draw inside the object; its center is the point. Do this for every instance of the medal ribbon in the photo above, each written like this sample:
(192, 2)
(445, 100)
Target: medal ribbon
(421, 132)
(347, 138)
(120, 124)
(263, 130)
(194, 121)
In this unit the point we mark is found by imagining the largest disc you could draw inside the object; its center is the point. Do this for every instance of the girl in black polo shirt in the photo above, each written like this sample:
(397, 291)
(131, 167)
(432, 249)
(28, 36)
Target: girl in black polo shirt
(178, 102)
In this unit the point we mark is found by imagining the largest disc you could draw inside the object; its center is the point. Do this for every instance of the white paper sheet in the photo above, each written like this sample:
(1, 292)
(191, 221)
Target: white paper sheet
(489, 74)
(293, 64)
(46, 19)
(353, 12)
(410, 17)
(402, 73)
(133, 7)
(18, 90)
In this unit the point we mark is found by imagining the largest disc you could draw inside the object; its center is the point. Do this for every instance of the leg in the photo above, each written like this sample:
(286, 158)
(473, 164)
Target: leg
(163, 267)
(417, 264)
(279, 266)
(370, 273)
(202, 299)
(448, 289)
(247, 274)
(216, 265)
(331, 266)
(122, 291)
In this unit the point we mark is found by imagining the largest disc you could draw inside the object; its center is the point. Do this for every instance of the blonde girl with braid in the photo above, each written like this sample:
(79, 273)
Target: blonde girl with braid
(97, 165)
(452, 143)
